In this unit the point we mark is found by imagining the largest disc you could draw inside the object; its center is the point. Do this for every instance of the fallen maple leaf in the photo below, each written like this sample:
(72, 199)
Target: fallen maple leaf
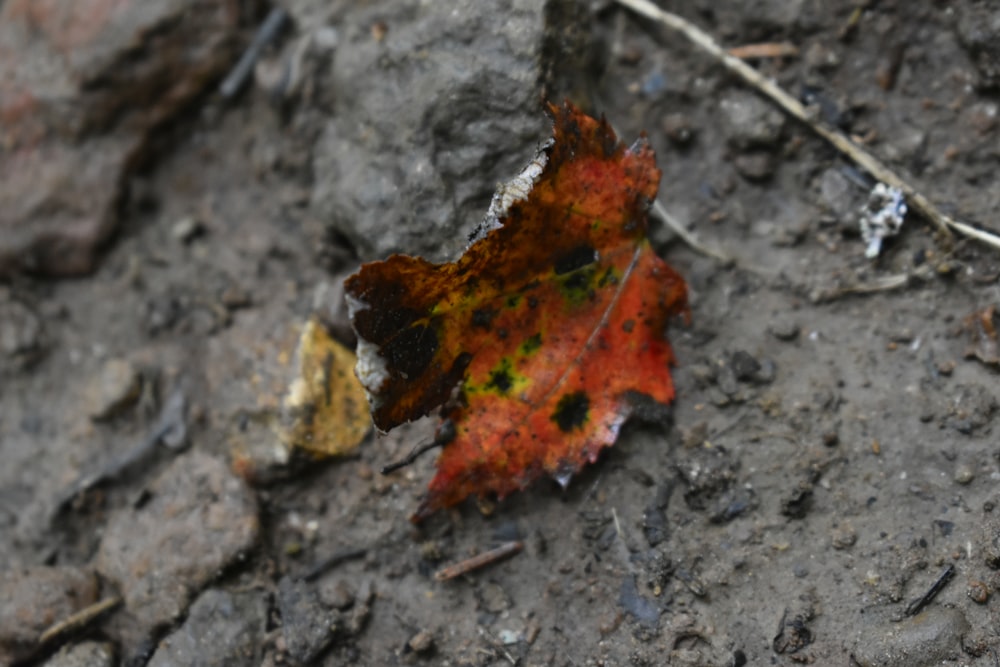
(538, 337)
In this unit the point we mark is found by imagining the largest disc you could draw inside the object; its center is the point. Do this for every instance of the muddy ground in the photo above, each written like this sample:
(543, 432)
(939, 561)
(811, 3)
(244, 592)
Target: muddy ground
(831, 453)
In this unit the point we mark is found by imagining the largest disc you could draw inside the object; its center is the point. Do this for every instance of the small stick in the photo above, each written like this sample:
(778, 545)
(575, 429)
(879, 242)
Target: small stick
(766, 50)
(332, 561)
(170, 428)
(505, 550)
(865, 160)
(268, 31)
(946, 575)
(78, 620)
(677, 228)
(674, 225)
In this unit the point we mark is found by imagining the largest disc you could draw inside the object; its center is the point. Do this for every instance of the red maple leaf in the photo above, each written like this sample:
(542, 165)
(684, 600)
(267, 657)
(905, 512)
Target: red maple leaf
(538, 338)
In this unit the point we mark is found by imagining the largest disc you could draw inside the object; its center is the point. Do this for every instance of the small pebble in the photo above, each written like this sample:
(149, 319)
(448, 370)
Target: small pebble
(963, 474)
(187, 229)
(336, 594)
(678, 129)
(843, 537)
(755, 166)
(116, 387)
(978, 591)
(422, 642)
(749, 121)
(784, 329)
(744, 365)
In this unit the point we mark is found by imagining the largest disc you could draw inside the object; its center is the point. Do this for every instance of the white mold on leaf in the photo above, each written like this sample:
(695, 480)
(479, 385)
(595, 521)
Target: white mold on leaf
(371, 368)
(514, 190)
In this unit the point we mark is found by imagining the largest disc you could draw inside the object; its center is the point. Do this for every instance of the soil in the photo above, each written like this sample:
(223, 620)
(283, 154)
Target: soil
(831, 453)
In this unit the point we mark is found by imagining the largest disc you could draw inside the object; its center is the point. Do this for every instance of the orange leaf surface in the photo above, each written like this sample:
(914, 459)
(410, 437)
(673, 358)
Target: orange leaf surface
(535, 340)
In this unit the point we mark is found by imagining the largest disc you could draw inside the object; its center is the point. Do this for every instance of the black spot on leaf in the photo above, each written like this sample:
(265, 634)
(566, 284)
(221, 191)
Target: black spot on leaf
(571, 411)
(411, 350)
(500, 380)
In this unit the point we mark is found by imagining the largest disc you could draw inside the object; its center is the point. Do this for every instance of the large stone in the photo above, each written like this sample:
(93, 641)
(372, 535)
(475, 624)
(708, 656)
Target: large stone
(933, 637)
(222, 629)
(199, 519)
(82, 86)
(450, 90)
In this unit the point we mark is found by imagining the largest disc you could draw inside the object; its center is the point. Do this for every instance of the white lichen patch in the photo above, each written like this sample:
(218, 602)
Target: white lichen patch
(881, 217)
(371, 368)
(514, 190)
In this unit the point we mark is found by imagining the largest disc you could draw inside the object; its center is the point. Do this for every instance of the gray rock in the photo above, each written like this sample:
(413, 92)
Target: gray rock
(222, 628)
(79, 104)
(307, 625)
(199, 519)
(455, 88)
(927, 639)
(838, 195)
(750, 122)
(84, 654)
(33, 599)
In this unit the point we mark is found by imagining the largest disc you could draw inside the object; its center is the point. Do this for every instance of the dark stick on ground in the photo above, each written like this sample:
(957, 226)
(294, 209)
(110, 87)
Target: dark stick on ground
(333, 561)
(946, 575)
(170, 429)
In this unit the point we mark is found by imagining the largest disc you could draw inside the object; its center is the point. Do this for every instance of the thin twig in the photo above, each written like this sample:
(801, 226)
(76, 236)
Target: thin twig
(505, 550)
(78, 620)
(765, 50)
(330, 562)
(678, 228)
(865, 160)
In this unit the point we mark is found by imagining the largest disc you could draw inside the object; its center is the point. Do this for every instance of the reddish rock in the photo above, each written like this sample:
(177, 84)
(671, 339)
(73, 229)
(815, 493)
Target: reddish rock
(83, 85)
